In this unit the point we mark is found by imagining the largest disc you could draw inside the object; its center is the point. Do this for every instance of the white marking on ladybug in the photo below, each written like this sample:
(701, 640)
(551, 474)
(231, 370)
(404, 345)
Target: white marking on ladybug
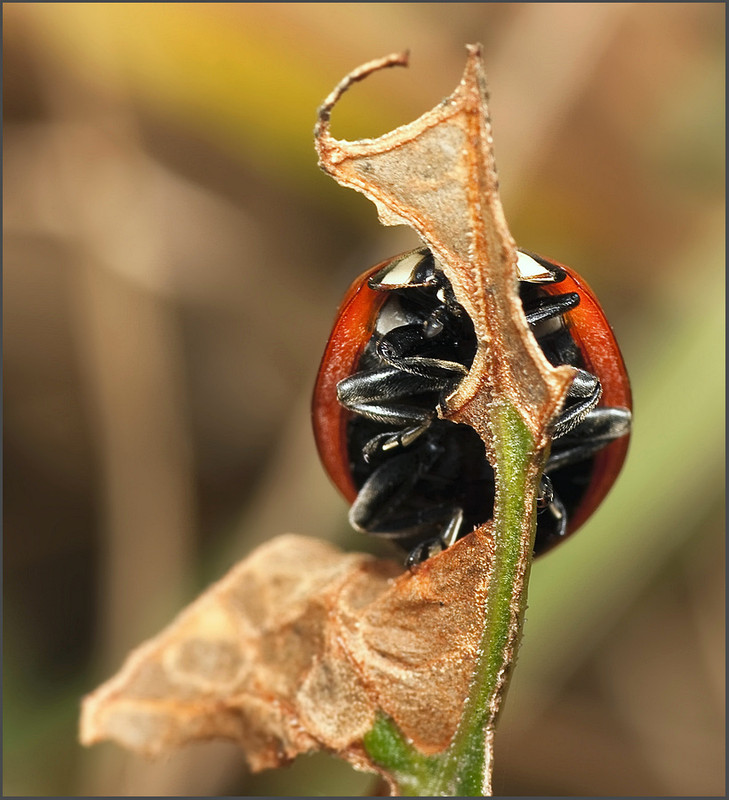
(401, 272)
(530, 270)
(391, 316)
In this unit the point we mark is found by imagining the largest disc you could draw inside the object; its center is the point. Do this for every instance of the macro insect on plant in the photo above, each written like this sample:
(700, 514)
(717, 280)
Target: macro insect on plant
(400, 345)
(465, 386)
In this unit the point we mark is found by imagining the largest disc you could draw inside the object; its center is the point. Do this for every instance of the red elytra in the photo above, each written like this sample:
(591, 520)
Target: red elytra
(355, 323)
(595, 339)
(353, 327)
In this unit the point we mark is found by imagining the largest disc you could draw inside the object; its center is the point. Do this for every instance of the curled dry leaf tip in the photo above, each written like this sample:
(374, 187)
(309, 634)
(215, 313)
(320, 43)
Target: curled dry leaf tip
(321, 129)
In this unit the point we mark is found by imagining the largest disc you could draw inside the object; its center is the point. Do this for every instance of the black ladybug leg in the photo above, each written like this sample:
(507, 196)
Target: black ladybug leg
(586, 387)
(549, 307)
(600, 427)
(552, 507)
(384, 505)
(430, 547)
(378, 507)
(604, 425)
(391, 413)
(374, 394)
(558, 513)
(402, 349)
(546, 492)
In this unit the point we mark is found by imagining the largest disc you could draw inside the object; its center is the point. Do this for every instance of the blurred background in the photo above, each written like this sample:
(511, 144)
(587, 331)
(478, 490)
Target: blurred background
(173, 260)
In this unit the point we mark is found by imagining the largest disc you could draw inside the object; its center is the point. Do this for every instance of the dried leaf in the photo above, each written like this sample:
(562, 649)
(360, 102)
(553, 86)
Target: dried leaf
(437, 175)
(297, 648)
(301, 647)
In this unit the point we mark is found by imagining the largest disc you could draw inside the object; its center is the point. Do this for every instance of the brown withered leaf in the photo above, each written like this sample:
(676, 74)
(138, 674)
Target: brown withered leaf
(297, 648)
(300, 646)
(437, 175)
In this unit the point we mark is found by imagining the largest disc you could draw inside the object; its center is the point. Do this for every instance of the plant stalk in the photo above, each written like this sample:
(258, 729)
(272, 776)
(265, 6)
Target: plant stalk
(464, 769)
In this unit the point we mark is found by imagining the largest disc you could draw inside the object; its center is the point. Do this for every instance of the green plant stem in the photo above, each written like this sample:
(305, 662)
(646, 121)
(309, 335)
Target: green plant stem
(464, 769)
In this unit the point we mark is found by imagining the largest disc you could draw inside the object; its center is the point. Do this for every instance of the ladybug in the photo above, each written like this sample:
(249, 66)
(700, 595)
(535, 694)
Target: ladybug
(400, 345)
